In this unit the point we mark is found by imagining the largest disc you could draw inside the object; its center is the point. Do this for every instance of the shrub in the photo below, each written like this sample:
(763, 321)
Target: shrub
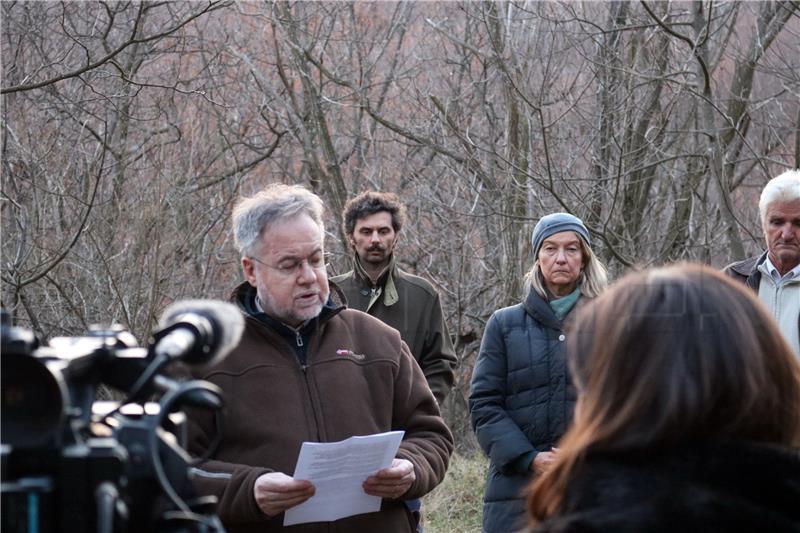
(455, 506)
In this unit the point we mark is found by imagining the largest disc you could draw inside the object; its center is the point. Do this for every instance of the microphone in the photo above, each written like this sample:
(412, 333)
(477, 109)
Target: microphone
(199, 332)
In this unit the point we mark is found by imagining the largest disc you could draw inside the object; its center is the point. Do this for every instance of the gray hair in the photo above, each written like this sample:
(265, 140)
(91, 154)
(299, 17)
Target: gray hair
(276, 202)
(592, 281)
(783, 188)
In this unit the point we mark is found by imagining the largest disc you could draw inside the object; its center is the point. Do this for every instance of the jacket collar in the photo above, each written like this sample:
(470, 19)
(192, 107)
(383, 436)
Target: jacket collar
(385, 287)
(609, 481)
(749, 266)
(768, 267)
(538, 308)
(243, 296)
(749, 269)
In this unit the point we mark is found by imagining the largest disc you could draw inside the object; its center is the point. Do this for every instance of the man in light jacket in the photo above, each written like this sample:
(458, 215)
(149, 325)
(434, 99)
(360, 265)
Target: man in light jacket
(775, 274)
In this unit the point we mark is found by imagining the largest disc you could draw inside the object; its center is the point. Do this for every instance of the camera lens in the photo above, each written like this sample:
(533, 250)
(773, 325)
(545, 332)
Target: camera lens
(33, 399)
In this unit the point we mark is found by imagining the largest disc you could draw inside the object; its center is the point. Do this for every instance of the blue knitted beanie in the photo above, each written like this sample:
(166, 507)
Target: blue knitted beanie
(556, 223)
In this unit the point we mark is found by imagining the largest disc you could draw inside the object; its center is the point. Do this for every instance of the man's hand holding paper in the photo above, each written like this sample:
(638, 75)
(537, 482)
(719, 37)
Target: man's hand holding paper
(342, 472)
(276, 492)
(391, 482)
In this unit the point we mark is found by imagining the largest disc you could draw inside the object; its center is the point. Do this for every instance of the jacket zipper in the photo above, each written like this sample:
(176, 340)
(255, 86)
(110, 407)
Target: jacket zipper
(308, 387)
(298, 339)
(303, 368)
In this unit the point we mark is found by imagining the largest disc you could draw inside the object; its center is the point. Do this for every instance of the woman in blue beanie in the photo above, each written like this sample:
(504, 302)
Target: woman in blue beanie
(521, 397)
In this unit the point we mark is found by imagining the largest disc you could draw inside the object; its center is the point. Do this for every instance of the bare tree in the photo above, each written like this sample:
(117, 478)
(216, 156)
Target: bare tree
(130, 128)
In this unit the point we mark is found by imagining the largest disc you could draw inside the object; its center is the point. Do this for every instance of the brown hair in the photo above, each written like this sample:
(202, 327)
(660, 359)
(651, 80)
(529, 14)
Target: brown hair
(669, 356)
(370, 202)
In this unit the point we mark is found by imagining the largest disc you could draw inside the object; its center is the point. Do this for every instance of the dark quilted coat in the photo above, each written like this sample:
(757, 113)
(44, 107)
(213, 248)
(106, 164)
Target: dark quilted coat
(521, 400)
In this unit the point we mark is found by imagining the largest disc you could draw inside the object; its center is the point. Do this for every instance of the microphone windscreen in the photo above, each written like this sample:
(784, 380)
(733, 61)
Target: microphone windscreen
(226, 321)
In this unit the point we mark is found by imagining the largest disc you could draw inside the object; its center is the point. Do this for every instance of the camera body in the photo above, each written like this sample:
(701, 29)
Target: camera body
(73, 464)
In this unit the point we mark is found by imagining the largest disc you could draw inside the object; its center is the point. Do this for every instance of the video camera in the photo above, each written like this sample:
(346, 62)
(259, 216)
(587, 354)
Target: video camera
(72, 464)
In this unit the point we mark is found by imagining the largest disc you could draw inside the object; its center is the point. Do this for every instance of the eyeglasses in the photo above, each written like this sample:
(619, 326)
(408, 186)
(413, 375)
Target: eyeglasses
(292, 267)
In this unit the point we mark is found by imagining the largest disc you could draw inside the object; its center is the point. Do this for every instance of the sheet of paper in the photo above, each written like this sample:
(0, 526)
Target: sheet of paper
(337, 470)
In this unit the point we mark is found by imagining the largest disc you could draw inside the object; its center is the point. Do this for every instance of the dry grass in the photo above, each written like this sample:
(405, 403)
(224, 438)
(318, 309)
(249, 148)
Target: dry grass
(455, 506)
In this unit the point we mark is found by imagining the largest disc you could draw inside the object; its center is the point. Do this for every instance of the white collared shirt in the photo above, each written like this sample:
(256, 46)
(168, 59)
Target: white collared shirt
(780, 280)
(781, 295)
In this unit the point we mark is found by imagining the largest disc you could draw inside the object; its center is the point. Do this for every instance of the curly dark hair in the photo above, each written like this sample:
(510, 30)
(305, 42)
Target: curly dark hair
(371, 202)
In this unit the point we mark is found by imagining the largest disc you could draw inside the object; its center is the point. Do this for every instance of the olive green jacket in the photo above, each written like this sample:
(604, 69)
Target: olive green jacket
(411, 305)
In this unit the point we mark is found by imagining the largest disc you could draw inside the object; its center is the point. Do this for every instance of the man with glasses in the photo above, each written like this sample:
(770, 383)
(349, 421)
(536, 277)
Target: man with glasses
(309, 369)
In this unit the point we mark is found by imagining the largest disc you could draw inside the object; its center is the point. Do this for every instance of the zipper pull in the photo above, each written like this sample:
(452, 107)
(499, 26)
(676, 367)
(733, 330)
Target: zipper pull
(298, 338)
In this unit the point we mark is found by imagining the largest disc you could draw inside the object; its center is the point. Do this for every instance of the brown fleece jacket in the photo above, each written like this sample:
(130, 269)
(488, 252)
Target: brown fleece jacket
(360, 378)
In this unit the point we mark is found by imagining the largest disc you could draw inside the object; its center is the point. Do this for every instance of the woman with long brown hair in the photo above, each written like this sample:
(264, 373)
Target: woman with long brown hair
(688, 413)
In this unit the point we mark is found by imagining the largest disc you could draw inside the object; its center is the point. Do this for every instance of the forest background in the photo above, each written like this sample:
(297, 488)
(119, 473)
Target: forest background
(129, 130)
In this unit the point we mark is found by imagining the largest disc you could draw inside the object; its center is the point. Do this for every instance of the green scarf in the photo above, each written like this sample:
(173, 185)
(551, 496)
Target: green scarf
(562, 306)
